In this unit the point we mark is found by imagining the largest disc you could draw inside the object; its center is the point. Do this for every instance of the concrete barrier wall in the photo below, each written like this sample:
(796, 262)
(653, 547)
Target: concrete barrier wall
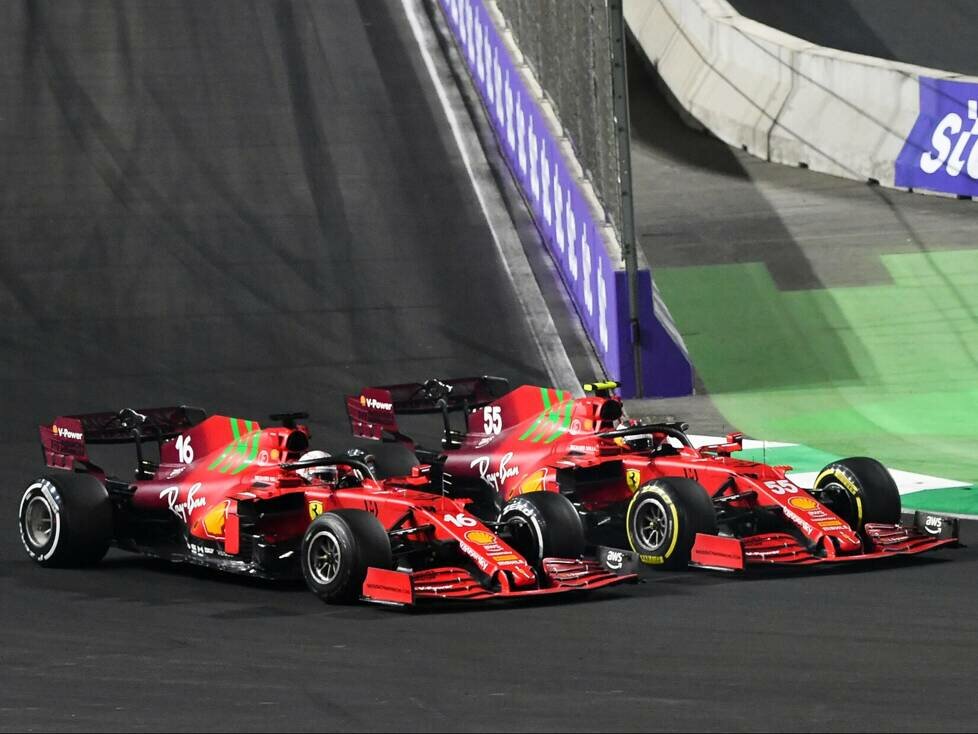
(563, 205)
(789, 101)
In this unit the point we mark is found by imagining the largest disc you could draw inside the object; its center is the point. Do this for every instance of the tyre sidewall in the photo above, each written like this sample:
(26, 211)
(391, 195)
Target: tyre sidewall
(82, 520)
(363, 543)
(339, 588)
(49, 551)
(655, 494)
(871, 489)
(554, 522)
(688, 510)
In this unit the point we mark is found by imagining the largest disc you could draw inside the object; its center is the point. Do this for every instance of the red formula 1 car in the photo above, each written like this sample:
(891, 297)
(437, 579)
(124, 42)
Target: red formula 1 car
(675, 503)
(232, 496)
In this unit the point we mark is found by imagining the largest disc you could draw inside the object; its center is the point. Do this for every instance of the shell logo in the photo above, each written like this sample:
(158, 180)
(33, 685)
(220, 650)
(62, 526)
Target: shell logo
(215, 520)
(363, 400)
(536, 482)
(65, 433)
(803, 503)
(480, 536)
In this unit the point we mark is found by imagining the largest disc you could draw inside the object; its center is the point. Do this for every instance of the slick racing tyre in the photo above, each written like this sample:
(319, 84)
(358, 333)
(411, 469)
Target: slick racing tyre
(66, 520)
(663, 518)
(860, 491)
(543, 525)
(392, 460)
(337, 550)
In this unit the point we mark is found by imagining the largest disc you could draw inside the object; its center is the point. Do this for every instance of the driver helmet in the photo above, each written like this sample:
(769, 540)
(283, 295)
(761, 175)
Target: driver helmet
(326, 474)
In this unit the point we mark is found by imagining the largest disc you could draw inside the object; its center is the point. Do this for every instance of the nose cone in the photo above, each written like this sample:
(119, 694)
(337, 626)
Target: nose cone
(847, 541)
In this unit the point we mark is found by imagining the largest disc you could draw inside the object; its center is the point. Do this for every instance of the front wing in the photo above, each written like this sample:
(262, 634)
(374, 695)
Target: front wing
(783, 549)
(559, 575)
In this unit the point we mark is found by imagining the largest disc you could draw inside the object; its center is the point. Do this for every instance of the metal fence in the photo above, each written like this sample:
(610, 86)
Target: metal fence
(566, 43)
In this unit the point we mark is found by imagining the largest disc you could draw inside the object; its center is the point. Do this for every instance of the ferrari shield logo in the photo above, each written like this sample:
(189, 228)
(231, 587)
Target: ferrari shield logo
(315, 509)
(632, 478)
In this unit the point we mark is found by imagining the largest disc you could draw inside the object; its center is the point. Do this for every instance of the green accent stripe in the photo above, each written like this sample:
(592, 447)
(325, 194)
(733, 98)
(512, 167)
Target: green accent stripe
(532, 428)
(251, 456)
(541, 434)
(546, 398)
(219, 459)
(238, 446)
(565, 423)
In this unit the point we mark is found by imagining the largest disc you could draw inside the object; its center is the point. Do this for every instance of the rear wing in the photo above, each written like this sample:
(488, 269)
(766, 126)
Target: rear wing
(64, 441)
(373, 412)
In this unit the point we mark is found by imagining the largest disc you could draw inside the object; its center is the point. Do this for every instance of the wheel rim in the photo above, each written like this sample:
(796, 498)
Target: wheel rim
(324, 558)
(523, 538)
(652, 523)
(839, 500)
(38, 521)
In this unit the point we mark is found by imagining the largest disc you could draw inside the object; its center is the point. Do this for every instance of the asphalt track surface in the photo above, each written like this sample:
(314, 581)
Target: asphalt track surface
(256, 210)
(941, 34)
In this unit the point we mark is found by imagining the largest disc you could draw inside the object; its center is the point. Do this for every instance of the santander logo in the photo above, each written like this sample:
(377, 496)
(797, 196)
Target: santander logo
(949, 141)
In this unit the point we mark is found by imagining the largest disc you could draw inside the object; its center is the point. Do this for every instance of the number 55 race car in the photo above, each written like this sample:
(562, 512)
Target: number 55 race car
(676, 504)
(230, 495)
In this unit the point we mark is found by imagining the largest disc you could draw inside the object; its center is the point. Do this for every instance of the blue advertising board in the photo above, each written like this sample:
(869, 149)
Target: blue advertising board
(596, 283)
(941, 153)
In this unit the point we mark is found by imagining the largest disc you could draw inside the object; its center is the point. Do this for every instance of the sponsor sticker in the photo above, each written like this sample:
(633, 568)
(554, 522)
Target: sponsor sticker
(65, 433)
(536, 482)
(480, 537)
(633, 477)
(941, 152)
(504, 472)
(315, 509)
(375, 404)
(184, 509)
(803, 503)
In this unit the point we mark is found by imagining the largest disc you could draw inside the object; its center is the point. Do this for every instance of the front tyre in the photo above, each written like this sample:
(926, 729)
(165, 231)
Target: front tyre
(544, 525)
(663, 518)
(338, 548)
(859, 490)
(66, 520)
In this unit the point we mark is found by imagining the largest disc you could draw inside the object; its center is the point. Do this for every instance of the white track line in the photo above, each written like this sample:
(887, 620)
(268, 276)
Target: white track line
(517, 266)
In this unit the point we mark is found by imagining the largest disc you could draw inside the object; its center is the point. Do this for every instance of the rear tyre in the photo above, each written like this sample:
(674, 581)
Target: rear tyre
(859, 490)
(338, 548)
(66, 520)
(663, 518)
(393, 460)
(543, 525)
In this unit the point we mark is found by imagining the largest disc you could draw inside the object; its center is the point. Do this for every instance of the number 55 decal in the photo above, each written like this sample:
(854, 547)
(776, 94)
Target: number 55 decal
(492, 420)
(783, 486)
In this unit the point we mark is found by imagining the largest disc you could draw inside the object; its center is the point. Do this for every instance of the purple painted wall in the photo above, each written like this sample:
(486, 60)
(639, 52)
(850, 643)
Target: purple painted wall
(597, 286)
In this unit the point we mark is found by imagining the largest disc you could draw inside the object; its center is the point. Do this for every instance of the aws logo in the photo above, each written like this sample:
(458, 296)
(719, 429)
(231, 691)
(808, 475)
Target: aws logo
(65, 433)
(375, 404)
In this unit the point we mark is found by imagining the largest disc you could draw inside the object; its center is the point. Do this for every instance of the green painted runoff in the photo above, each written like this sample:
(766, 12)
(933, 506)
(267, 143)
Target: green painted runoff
(889, 371)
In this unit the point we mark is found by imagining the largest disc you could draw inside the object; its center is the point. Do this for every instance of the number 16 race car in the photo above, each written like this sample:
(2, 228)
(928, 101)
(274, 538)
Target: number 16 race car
(645, 481)
(230, 495)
